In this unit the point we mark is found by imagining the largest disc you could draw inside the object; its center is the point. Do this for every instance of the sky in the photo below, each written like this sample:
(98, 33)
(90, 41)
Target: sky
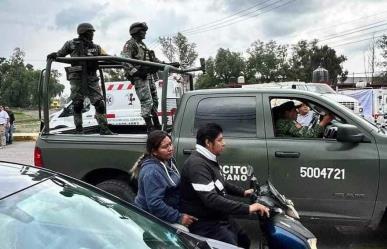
(40, 27)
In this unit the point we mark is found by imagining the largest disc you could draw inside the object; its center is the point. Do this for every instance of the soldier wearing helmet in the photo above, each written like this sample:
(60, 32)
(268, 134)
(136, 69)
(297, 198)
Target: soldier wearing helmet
(81, 88)
(141, 76)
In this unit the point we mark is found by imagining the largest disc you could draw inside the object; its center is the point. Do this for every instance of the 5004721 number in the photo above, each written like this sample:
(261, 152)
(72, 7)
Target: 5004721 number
(325, 173)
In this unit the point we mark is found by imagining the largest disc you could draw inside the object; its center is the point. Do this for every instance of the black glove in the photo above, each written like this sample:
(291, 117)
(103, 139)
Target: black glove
(174, 64)
(141, 73)
(52, 55)
(153, 70)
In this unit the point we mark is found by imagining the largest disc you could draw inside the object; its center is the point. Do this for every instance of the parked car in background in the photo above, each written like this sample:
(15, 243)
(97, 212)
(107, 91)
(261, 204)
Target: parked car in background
(44, 209)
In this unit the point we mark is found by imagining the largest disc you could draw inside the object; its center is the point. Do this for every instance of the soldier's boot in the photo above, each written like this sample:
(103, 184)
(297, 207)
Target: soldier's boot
(149, 124)
(156, 121)
(103, 126)
(78, 123)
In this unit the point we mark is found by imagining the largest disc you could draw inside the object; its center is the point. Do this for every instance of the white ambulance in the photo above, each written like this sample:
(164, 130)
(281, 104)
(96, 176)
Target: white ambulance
(122, 105)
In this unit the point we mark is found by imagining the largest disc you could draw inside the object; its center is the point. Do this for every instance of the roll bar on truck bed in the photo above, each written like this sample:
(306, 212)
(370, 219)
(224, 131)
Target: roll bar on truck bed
(108, 62)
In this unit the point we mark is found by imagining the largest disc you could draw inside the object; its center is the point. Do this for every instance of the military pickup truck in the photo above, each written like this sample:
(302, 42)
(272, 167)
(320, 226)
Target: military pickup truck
(340, 177)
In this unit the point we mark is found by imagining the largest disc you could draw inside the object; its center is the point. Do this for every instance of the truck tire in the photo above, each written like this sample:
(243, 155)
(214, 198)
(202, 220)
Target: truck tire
(118, 188)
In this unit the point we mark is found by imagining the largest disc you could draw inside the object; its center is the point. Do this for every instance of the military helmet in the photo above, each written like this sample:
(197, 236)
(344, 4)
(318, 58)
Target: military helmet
(137, 26)
(84, 27)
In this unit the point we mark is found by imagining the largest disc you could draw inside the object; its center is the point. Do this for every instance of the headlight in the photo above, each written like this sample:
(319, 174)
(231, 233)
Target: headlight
(360, 109)
(312, 243)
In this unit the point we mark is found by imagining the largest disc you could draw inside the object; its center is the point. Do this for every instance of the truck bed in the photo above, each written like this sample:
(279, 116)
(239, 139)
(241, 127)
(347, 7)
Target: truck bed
(94, 130)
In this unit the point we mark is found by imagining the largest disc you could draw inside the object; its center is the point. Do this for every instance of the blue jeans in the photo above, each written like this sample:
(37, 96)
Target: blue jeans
(9, 134)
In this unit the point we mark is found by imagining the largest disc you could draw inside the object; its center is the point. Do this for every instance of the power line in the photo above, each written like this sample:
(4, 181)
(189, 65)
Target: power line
(352, 31)
(224, 20)
(356, 41)
(314, 30)
(367, 72)
(231, 22)
(220, 20)
(248, 17)
(361, 35)
(228, 23)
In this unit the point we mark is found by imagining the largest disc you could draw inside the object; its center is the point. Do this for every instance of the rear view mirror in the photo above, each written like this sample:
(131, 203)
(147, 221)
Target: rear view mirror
(349, 134)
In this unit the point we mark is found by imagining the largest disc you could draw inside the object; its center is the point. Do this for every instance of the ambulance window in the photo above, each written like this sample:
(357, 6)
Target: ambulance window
(236, 115)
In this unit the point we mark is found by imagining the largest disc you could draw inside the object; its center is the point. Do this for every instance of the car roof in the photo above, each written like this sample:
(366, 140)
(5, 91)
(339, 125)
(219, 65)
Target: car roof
(250, 90)
(15, 177)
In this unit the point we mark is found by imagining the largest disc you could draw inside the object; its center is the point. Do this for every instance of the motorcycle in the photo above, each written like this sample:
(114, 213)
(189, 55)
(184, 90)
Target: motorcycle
(282, 229)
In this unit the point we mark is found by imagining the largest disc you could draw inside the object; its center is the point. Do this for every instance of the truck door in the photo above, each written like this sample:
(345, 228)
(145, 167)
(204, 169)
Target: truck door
(242, 129)
(325, 178)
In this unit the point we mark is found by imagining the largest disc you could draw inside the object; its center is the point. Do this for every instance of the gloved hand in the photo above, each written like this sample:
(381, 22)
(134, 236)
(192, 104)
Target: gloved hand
(174, 64)
(152, 70)
(52, 56)
(141, 73)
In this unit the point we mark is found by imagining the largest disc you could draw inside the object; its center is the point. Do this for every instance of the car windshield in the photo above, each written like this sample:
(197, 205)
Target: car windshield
(320, 88)
(58, 214)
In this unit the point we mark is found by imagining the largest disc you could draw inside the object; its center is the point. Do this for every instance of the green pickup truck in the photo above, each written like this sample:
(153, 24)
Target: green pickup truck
(340, 177)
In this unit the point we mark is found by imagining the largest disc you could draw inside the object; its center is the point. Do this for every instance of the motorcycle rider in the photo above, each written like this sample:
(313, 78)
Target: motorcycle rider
(204, 192)
(83, 78)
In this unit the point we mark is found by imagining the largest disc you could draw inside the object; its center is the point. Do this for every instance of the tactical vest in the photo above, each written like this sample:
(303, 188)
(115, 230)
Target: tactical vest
(80, 48)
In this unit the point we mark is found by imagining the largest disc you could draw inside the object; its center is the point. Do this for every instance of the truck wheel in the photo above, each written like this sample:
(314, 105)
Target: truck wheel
(118, 188)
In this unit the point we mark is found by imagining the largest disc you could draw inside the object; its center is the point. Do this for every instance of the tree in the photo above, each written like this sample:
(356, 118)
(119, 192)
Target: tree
(307, 56)
(268, 60)
(228, 64)
(19, 82)
(208, 80)
(178, 48)
(114, 75)
(168, 48)
(219, 71)
(382, 44)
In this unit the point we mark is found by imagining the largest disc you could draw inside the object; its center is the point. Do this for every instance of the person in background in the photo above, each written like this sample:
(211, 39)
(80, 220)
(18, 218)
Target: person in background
(9, 131)
(204, 192)
(4, 123)
(305, 115)
(159, 180)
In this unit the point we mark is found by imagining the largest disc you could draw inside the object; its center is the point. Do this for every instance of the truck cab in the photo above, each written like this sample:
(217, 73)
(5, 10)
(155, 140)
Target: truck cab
(320, 88)
(332, 178)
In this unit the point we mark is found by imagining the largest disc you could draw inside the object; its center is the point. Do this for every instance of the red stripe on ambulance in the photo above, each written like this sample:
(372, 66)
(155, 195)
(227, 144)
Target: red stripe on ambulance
(119, 86)
(110, 87)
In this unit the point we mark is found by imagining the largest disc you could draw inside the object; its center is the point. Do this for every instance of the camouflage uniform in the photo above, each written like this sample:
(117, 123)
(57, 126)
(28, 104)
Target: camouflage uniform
(76, 48)
(145, 87)
(288, 128)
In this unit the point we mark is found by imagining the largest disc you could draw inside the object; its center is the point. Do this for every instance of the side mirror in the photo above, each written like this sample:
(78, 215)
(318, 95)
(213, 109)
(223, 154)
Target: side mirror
(203, 64)
(349, 134)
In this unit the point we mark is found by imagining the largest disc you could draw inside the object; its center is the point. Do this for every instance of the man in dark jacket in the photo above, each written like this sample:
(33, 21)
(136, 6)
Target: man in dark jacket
(204, 192)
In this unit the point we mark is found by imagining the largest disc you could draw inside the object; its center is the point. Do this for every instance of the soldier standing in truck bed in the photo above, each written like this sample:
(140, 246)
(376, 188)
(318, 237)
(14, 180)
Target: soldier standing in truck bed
(141, 76)
(84, 82)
